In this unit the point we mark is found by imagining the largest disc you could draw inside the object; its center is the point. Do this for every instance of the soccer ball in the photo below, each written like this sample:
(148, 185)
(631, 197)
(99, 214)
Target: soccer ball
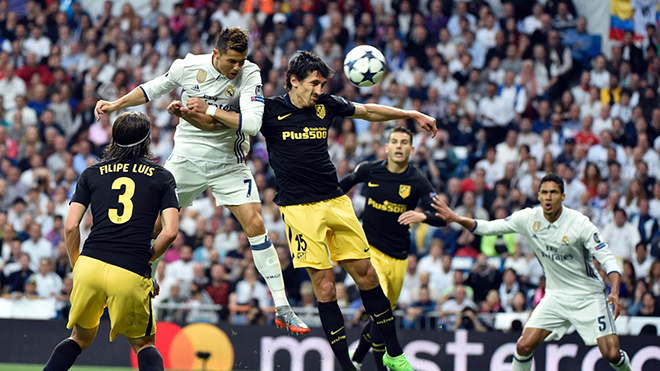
(364, 65)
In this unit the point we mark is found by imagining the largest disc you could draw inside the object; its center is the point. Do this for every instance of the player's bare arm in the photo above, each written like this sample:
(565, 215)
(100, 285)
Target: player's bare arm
(72, 231)
(199, 120)
(170, 223)
(449, 216)
(377, 112)
(134, 98)
(224, 118)
(411, 216)
(613, 297)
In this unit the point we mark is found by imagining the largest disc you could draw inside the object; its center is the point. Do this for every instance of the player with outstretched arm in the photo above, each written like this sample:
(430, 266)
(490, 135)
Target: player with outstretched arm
(565, 242)
(393, 188)
(210, 146)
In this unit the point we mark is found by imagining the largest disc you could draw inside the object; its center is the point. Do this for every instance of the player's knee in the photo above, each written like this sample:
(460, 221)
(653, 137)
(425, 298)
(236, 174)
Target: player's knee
(525, 347)
(326, 291)
(254, 225)
(611, 354)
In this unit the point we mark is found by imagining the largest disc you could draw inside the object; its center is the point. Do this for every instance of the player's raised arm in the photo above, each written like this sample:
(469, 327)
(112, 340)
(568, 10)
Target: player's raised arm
(378, 112)
(135, 97)
(481, 227)
(197, 118)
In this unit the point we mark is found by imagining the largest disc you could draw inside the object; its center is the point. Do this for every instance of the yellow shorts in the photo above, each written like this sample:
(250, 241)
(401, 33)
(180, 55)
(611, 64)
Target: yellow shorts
(127, 295)
(391, 273)
(324, 231)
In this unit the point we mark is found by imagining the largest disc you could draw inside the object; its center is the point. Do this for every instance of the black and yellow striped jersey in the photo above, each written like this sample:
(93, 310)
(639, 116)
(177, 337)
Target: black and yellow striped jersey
(389, 195)
(297, 142)
(125, 198)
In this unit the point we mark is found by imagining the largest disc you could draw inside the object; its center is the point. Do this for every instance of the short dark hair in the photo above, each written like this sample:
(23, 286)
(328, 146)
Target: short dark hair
(233, 38)
(401, 129)
(553, 177)
(304, 64)
(130, 137)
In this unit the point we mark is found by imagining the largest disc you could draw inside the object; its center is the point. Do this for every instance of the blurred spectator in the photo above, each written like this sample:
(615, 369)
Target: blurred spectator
(621, 236)
(49, 284)
(415, 313)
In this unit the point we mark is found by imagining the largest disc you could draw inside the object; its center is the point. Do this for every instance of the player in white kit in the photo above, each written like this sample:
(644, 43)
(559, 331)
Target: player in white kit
(565, 242)
(232, 88)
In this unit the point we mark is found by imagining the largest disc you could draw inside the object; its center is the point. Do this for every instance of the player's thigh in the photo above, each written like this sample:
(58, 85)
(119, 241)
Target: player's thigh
(306, 235)
(550, 315)
(592, 319)
(191, 180)
(232, 184)
(88, 297)
(347, 239)
(391, 273)
(129, 304)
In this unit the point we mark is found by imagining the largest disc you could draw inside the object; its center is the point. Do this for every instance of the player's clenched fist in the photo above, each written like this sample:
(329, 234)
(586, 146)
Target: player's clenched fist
(176, 108)
(197, 105)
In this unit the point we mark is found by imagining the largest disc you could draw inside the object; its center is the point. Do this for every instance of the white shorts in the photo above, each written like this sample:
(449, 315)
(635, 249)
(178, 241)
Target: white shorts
(591, 316)
(231, 184)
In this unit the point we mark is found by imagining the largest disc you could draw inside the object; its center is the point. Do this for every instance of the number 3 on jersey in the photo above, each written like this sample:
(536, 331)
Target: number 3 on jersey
(124, 199)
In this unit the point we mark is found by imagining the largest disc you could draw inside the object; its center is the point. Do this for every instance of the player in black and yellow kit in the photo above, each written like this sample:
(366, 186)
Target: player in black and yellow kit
(126, 191)
(321, 225)
(393, 189)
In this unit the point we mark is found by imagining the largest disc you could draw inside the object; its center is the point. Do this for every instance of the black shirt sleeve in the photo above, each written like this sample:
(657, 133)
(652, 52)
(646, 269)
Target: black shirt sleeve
(426, 200)
(352, 178)
(170, 195)
(340, 106)
(82, 194)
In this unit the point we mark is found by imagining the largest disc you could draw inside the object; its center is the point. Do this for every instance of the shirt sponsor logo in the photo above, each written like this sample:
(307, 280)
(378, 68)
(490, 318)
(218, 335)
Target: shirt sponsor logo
(404, 190)
(320, 111)
(388, 206)
(308, 133)
(201, 76)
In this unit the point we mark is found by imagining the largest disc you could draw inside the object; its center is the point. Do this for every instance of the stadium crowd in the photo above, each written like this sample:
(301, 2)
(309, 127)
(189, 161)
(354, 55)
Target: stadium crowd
(516, 95)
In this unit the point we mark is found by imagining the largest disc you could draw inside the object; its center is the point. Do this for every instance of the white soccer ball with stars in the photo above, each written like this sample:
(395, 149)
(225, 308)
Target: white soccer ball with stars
(364, 65)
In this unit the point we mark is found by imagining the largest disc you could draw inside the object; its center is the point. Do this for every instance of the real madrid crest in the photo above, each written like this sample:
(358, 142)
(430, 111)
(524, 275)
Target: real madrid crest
(320, 111)
(536, 226)
(565, 241)
(201, 76)
(404, 190)
(230, 91)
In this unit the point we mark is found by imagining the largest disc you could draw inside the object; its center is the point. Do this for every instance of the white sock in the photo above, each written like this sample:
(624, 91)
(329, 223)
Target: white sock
(624, 362)
(522, 363)
(268, 264)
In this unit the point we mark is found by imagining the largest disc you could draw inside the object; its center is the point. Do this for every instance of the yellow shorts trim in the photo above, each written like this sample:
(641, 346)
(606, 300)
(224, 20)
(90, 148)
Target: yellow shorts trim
(127, 295)
(391, 273)
(320, 233)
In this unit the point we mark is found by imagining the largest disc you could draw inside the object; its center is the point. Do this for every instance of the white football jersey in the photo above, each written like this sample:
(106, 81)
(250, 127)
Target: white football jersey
(197, 77)
(564, 248)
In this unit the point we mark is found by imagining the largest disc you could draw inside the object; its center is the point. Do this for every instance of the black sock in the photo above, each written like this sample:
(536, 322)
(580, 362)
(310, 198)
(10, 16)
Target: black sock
(63, 356)
(378, 344)
(333, 326)
(149, 359)
(378, 306)
(365, 343)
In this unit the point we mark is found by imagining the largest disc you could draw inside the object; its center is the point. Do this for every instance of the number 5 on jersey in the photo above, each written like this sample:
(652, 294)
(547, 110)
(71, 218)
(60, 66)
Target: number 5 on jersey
(124, 199)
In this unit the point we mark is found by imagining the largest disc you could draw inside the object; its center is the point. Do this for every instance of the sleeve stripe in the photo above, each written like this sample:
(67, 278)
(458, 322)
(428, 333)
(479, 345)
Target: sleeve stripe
(476, 223)
(240, 122)
(144, 92)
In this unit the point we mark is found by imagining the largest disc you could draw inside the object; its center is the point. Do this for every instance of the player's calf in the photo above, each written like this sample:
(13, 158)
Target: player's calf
(64, 355)
(149, 359)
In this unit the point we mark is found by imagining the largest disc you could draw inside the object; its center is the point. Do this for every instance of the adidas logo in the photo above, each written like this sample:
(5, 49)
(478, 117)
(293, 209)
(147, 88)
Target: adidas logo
(195, 88)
